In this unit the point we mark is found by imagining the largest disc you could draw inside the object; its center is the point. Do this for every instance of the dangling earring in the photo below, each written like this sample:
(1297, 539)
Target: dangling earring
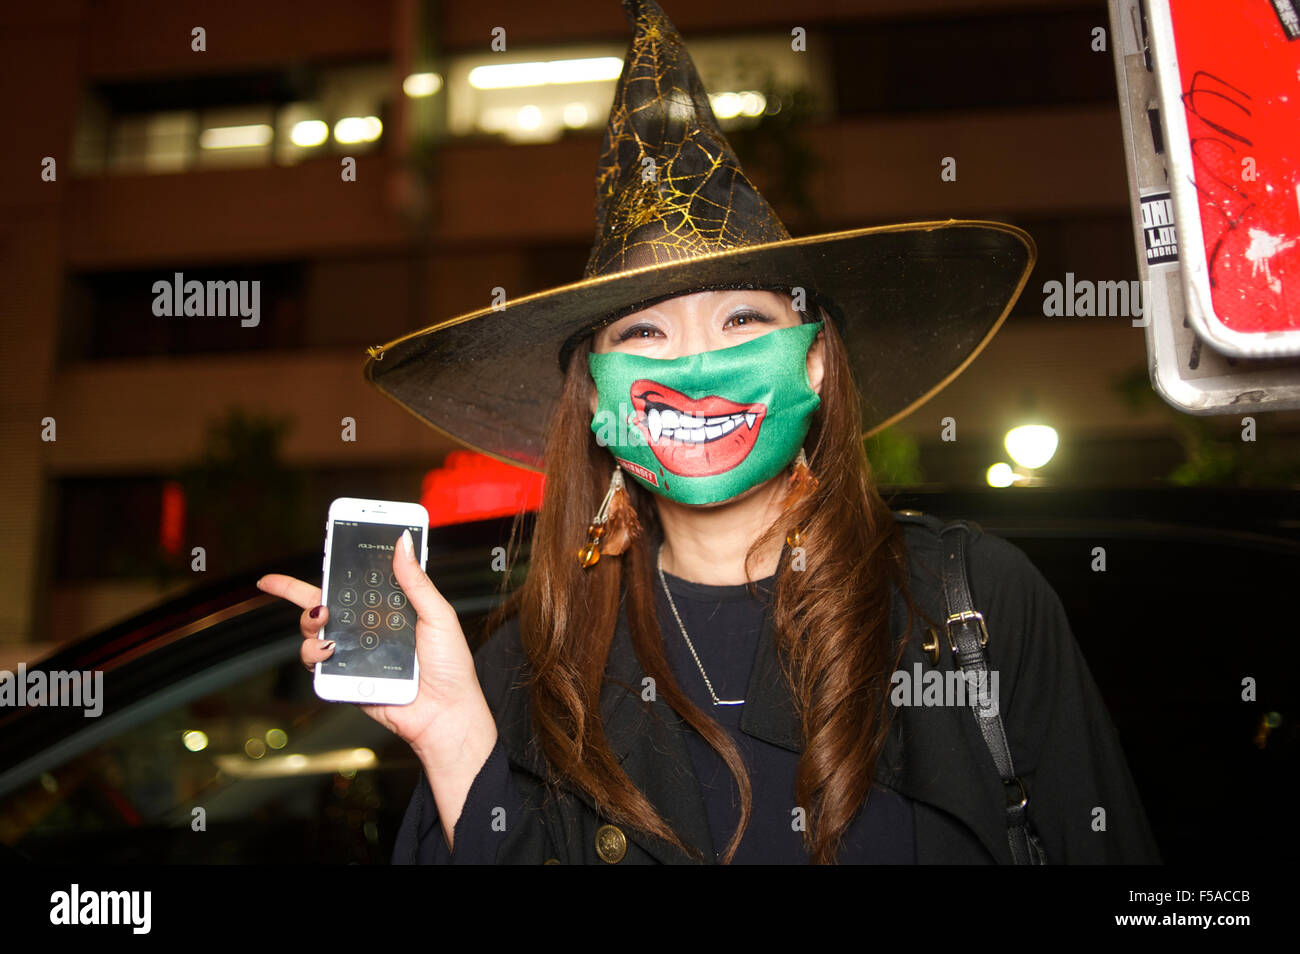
(615, 525)
(802, 483)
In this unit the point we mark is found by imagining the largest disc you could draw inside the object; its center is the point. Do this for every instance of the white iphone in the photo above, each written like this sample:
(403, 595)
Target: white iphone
(370, 619)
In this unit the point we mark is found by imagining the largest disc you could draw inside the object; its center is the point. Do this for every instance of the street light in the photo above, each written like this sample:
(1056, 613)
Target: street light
(1031, 445)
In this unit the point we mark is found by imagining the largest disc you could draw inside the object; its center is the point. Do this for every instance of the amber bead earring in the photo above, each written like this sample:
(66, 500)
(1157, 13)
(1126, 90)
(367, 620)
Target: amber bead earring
(802, 482)
(615, 525)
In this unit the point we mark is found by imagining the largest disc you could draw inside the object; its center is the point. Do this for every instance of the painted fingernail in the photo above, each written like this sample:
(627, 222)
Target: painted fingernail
(315, 612)
(328, 647)
(406, 543)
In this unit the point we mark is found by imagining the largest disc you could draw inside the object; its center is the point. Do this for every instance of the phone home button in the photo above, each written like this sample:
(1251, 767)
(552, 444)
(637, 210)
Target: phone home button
(366, 688)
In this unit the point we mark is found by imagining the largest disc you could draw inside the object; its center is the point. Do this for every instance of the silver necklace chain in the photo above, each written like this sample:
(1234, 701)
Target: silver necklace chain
(659, 564)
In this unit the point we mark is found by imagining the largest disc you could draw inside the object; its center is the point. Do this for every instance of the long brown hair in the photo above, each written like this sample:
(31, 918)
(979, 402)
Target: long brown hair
(831, 619)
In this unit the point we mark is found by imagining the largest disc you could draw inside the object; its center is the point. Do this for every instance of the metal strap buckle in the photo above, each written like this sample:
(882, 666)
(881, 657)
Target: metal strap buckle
(1017, 798)
(963, 617)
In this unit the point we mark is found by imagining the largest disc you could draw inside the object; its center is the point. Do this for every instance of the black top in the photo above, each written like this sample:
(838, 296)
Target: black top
(1065, 745)
(724, 624)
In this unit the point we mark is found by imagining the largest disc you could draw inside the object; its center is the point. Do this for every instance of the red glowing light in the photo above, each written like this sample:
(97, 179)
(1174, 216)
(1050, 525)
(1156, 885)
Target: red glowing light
(471, 486)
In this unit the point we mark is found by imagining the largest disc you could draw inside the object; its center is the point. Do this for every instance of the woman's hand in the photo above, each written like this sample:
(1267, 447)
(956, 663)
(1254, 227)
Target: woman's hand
(449, 725)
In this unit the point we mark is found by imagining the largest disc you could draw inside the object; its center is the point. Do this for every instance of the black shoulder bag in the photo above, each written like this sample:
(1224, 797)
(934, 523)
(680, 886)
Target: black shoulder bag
(967, 641)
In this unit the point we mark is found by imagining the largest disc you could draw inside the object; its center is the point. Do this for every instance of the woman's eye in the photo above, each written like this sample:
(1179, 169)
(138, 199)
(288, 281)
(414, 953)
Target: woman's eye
(750, 317)
(635, 332)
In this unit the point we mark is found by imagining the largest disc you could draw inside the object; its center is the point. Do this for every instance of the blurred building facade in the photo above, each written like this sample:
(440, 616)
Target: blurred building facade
(225, 163)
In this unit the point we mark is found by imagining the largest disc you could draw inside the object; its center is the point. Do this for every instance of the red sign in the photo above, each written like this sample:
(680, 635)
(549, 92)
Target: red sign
(1239, 72)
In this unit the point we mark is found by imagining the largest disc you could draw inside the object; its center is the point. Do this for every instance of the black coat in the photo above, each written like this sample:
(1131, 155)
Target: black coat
(1062, 740)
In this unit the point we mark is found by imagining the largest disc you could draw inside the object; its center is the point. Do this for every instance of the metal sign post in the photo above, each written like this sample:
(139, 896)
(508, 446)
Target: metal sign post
(1210, 105)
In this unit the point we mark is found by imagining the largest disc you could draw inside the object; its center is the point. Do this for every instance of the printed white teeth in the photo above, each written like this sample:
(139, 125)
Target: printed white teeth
(674, 425)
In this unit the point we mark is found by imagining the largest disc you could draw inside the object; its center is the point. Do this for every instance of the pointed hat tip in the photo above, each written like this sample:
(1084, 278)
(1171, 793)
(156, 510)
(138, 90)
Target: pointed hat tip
(635, 10)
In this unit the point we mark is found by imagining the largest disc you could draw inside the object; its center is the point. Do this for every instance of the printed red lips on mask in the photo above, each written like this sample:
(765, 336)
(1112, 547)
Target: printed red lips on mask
(696, 458)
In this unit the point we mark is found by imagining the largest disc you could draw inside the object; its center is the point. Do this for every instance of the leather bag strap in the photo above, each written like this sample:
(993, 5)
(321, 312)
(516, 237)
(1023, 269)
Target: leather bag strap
(967, 635)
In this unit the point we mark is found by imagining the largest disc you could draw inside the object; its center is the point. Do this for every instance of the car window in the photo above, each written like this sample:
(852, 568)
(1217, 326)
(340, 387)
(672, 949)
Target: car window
(259, 770)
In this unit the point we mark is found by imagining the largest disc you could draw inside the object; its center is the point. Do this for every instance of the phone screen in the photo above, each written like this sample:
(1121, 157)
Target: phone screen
(370, 619)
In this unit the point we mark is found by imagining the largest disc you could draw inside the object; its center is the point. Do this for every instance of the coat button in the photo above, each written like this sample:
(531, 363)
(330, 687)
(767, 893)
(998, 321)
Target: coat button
(611, 843)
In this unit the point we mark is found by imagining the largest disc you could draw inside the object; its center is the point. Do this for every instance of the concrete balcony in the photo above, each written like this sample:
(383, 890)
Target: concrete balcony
(870, 171)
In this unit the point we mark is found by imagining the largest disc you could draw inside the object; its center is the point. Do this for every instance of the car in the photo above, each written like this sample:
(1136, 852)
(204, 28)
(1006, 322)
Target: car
(213, 748)
(208, 706)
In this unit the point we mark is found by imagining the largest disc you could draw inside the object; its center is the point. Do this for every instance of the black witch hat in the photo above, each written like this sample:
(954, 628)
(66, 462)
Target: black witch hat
(676, 214)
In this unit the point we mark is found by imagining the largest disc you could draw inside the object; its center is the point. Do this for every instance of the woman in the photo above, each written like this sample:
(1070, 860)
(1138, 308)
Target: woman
(714, 676)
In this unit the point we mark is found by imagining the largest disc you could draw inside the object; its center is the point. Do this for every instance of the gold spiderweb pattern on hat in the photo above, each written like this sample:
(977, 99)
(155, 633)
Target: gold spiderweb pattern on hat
(913, 302)
(692, 197)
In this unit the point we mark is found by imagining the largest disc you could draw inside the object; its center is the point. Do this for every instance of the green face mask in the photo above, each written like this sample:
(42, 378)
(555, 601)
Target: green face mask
(707, 427)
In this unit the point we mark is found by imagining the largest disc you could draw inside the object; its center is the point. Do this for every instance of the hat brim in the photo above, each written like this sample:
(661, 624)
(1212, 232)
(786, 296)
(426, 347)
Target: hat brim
(914, 304)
